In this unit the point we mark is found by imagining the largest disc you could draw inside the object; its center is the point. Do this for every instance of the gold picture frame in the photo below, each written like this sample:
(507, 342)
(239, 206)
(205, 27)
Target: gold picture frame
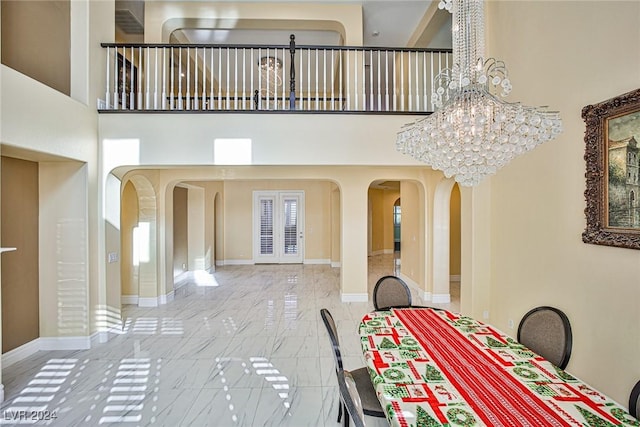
(612, 156)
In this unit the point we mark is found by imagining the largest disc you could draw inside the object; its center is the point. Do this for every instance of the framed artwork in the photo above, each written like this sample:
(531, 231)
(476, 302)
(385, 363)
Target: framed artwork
(127, 79)
(612, 155)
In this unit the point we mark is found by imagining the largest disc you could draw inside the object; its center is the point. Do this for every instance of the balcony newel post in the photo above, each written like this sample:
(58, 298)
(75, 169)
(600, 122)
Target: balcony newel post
(292, 72)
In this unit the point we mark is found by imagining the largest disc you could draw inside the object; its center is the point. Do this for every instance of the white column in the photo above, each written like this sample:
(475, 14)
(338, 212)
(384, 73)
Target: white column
(196, 233)
(475, 210)
(441, 219)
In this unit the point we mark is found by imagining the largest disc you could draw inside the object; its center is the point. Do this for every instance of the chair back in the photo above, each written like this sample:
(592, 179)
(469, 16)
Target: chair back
(391, 291)
(330, 324)
(634, 401)
(546, 331)
(351, 398)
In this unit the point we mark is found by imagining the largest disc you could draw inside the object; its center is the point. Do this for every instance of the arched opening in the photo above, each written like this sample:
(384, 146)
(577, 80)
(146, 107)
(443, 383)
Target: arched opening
(129, 210)
(383, 234)
(139, 243)
(397, 216)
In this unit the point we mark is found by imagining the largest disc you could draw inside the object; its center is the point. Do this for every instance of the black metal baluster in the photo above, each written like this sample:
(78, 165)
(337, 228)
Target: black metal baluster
(292, 73)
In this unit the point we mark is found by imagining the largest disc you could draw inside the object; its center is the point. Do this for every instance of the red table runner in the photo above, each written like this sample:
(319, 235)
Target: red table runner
(437, 368)
(497, 398)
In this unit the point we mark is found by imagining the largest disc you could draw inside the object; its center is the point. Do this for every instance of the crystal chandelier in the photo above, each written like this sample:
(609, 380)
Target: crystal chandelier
(270, 69)
(473, 132)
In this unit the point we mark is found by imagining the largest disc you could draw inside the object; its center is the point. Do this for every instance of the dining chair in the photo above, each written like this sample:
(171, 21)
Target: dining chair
(391, 291)
(634, 401)
(369, 399)
(350, 399)
(547, 331)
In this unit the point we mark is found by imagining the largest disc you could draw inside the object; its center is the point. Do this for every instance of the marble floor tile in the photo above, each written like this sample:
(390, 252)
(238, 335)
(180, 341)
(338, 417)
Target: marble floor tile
(251, 351)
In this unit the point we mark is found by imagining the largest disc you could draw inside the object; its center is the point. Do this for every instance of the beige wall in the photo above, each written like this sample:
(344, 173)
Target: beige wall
(20, 287)
(381, 204)
(63, 253)
(46, 122)
(162, 18)
(376, 207)
(238, 205)
(180, 240)
(390, 199)
(412, 245)
(454, 232)
(335, 225)
(590, 51)
(128, 221)
(36, 39)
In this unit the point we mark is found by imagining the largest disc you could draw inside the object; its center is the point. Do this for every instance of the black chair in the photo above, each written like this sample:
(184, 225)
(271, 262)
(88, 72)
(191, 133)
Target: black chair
(391, 292)
(350, 399)
(546, 331)
(634, 401)
(369, 399)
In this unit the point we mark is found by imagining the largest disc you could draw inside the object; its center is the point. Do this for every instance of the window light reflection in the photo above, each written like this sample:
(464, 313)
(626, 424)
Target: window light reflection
(278, 382)
(40, 393)
(129, 389)
(204, 278)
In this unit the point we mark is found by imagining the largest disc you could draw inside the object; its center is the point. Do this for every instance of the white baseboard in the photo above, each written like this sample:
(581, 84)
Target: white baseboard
(381, 252)
(45, 344)
(163, 299)
(336, 264)
(65, 343)
(219, 263)
(129, 299)
(20, 353)
(426, 296)
(355, 297)
(317, 261)
(441, 298)
(454, 278)
(181, 279)
(238, 262)
(99, 337)
(147, 302)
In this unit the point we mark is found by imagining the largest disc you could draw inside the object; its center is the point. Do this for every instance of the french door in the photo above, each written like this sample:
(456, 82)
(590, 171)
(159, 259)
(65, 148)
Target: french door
(278, 226)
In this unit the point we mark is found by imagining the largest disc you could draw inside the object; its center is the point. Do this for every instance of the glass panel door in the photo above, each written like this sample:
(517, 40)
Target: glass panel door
(278, 226)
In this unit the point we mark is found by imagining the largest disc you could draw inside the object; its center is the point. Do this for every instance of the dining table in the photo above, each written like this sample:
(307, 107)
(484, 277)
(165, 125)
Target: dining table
(433, 367)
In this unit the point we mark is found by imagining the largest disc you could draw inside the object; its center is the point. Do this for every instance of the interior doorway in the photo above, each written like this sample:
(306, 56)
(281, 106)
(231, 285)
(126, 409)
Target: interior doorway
(397, 214)
(397, 219)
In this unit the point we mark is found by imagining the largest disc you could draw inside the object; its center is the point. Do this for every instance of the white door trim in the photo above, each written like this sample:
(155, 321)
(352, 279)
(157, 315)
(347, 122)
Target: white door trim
(277, 239)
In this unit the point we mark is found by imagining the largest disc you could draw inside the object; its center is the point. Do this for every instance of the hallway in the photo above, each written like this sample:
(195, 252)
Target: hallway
(251, 351)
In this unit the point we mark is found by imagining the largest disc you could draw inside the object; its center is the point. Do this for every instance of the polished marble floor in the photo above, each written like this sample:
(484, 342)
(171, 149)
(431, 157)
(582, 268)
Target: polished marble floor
(251, 351)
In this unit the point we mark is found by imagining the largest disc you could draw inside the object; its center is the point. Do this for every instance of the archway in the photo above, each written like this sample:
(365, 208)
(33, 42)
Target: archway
(141, 241)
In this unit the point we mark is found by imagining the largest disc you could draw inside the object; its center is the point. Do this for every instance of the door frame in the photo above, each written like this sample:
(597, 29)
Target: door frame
(278, 257)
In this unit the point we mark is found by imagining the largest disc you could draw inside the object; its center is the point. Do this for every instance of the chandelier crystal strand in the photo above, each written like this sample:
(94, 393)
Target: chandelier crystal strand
(473, 133)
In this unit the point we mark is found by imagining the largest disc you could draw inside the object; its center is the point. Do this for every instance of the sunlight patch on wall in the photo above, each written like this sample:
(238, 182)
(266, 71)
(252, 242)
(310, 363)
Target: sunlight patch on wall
(141, 242)
(232, 151)
(120, 152)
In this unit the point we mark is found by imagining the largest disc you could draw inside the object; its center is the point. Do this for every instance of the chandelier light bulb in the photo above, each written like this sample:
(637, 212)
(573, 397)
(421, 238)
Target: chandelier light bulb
(473, 132)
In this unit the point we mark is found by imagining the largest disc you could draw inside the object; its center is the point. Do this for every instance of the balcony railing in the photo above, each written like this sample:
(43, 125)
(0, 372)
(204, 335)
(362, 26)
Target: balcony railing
(217, 78)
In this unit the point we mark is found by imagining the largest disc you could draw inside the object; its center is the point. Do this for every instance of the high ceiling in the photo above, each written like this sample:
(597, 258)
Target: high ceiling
(389, 23)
